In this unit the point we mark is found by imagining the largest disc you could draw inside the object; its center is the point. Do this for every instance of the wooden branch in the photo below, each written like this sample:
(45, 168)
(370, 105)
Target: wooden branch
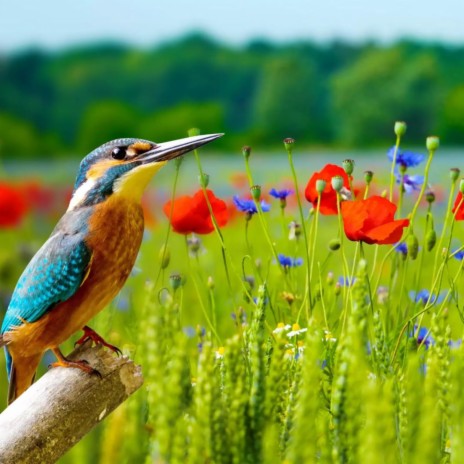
(64, 405)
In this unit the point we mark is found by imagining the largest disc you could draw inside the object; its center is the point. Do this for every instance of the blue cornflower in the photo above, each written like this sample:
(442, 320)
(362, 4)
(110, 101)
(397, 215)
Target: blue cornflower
(248, 206)
(401, 248)
(459, 255)
(280, 194)
(410, 183)
(287, 261)
(406, 159)
(423, 336)
(346, 282)
(422, 296)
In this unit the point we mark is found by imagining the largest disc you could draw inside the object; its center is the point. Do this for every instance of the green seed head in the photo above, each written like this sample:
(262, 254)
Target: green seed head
(210, 283)
(320, 185)
(368, 175)
(432, 143)
(454, 174)
(246, 151)
(461, 186)
(256, 192)
(348, 166)
(337, 183)
(175, 281)
(430, 196)
(400, 128)
(288, 143)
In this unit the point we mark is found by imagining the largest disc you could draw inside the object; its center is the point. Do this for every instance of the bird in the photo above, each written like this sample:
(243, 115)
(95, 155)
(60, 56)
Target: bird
(87, 258)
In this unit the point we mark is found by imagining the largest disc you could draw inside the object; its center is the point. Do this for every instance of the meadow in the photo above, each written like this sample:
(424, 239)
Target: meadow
(317, 322)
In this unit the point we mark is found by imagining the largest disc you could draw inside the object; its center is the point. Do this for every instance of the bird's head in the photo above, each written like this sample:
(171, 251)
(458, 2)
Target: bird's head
(125, 166)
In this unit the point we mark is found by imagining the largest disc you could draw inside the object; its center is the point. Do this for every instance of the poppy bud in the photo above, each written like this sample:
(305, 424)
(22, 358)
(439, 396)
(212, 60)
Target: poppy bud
(432, 143)
(413, 246)
(210, 283)
(330, 278)
(337, 289)
(348, 166)
(430, 239)
(320, 185)
(400, 128)
(430, 196)
(164, 257)
(175, 281)
(334, 244)
(454, 174)
(337, 183)
(256, 192)
(368, 175)
(461, 186)
(288, 143)
(203, 179)
(246, 151)
(194, 131)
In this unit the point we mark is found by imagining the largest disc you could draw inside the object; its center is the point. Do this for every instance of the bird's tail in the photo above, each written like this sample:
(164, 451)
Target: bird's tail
(22, 374)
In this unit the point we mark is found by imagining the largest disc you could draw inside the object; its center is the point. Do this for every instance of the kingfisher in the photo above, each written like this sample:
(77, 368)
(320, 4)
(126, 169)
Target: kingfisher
(87, 258)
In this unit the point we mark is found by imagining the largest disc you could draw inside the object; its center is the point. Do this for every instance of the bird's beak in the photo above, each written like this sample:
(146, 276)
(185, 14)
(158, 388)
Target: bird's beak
(169, 150)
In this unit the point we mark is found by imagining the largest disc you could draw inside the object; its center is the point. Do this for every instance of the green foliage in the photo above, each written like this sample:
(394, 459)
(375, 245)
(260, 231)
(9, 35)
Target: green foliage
(318, 93)
(18, 137)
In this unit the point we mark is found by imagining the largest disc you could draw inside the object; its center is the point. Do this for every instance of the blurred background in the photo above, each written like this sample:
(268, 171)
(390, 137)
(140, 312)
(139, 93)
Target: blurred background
(75, 76)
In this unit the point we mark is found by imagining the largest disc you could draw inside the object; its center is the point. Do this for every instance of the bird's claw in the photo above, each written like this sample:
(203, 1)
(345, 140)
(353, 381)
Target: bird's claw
(90, 334)
(82, 364)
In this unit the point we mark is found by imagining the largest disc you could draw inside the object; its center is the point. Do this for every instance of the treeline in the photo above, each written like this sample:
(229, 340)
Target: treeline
(336, 94)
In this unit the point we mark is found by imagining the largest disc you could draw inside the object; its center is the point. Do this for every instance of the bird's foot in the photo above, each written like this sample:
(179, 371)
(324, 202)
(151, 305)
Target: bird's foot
(83, 365)
(90, 334)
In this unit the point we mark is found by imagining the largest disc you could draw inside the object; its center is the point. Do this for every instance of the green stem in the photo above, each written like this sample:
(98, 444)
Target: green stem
(307, 299)
(392, 170)
(168, 231)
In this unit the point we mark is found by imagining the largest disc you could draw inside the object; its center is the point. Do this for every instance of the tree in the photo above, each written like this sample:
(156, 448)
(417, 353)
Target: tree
(286, 103)
(107, 120)
(381, 87)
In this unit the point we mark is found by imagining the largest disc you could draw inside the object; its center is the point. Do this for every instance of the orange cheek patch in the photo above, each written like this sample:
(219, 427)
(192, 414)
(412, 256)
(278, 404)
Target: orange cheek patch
(97, 170)
(140, 147)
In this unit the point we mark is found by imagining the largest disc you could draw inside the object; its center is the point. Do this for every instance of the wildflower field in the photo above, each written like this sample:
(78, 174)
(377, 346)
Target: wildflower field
(319, 320)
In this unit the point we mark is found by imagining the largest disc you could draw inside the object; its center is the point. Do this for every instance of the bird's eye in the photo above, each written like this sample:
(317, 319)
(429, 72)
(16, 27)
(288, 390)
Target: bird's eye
(119, 153)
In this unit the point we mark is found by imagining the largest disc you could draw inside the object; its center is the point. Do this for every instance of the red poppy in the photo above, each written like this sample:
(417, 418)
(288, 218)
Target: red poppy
(13, 206)
(372, 221)
(458, 208)
(191, 214)
(329, 196)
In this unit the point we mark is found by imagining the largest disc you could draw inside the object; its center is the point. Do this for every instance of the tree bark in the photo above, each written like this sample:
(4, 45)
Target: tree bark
(64, 405)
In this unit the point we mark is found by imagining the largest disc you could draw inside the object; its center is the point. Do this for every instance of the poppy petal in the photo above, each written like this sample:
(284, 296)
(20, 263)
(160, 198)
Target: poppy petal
(386, 234)
(354, 216)
(328, 197)
(458, 208)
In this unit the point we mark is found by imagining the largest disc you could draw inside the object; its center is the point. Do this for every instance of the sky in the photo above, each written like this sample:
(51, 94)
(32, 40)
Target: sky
(56, 24)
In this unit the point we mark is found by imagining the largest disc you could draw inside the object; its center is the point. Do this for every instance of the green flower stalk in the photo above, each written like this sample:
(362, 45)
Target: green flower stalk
(400, 130)
(307, 300)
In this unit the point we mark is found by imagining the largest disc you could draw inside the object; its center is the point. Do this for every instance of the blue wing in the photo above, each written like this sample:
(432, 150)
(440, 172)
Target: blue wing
(53, 275)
